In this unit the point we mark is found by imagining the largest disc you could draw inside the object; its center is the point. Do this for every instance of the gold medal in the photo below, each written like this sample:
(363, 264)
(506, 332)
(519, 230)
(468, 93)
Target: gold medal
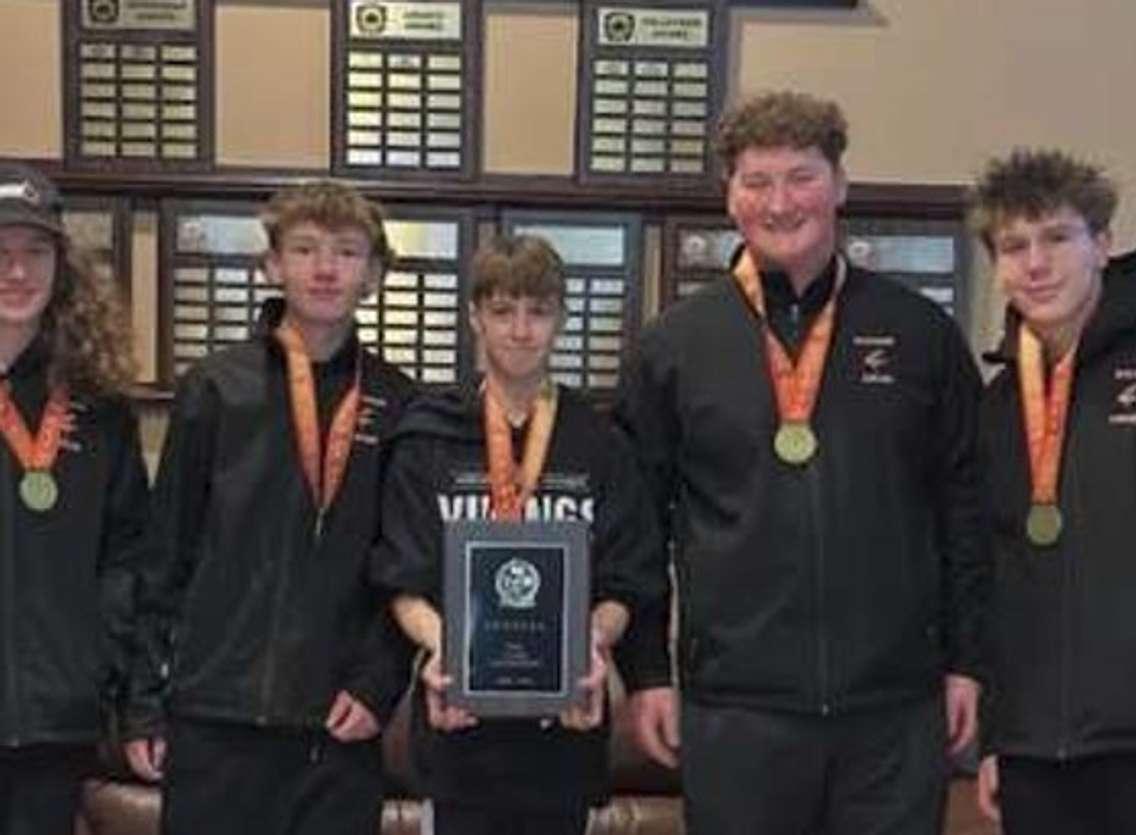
(795, 443)
(38, 490)
(1043, 524)
(795, 385)
(1045, 411)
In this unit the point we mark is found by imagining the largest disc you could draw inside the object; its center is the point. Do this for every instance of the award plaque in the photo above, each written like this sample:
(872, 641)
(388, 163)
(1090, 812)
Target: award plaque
(211, 252)
(417, 320)
(138, 84)
(696, 251)
(601, 252)
(651, 85)
(517, 600)
(927, 255)
(406, 75)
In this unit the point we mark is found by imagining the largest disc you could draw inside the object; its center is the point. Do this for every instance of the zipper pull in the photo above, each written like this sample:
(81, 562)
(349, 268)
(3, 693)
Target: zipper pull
(319, 523)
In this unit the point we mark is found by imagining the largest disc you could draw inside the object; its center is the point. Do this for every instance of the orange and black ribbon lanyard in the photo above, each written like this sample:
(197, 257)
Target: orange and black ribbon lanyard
(1044, 416)
(510, 487)
(37, 454)
(795, 386)
(305, 420)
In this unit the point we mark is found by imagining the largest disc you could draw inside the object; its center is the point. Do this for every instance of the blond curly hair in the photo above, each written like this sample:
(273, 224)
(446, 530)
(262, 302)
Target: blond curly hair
(85, 326)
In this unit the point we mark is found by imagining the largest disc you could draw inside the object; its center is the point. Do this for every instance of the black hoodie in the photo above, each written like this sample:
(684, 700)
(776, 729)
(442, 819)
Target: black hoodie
(1064, 630)
(437, 472)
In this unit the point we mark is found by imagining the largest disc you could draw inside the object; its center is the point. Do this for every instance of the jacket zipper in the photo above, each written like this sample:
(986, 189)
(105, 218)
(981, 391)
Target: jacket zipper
(813, 476)
(7, 560)
(284, 577)
(1064, 737)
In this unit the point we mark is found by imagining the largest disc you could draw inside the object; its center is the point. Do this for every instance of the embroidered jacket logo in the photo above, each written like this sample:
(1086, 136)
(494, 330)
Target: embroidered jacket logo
(1125, 404)
(875, 353)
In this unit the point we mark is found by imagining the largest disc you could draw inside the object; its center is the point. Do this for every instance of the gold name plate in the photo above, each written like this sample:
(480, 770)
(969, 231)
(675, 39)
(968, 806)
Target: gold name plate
(682, 29)
(405, 21)
(171, 15)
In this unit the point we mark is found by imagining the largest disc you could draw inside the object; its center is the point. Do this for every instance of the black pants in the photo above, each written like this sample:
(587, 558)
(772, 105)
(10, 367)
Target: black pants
(39, 788)
(229, 779)
(458, 819)
(874, 773)
(1088, 796)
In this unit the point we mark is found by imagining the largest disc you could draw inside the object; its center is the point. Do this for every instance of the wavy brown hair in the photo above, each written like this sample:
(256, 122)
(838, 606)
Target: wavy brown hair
(85, 326)
(781, 119)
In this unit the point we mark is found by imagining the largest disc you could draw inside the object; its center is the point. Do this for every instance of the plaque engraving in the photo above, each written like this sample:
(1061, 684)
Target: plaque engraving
(516, 612)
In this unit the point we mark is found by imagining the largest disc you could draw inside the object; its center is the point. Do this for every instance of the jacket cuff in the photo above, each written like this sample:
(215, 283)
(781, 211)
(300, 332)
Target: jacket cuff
(643, 656)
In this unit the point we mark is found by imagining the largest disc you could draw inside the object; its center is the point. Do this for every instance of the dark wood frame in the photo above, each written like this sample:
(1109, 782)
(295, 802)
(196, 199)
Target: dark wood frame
(471, 98)
(923, 227)
(633, 273)
(202, 39)
(880, 223)
(122, 230)
(169, 258)
(467, 243)
(589, 50)
(488, 199)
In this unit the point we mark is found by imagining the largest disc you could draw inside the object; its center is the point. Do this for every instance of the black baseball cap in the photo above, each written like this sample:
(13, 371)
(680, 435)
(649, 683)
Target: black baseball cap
(27, 198)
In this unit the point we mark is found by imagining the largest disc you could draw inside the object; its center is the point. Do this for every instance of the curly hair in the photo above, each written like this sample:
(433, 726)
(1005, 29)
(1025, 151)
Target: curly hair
(331, 205)
(85, 326)
(518, 265)
(1032, 183)
(782, 119)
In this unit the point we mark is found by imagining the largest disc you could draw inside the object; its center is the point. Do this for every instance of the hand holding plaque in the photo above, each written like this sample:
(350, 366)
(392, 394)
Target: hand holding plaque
(439, 713)
(589, 715)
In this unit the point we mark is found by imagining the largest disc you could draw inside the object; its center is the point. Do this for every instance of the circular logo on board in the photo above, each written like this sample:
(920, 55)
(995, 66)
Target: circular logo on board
(517, 583)
(370, 18)
(619, 26)
(102, 11)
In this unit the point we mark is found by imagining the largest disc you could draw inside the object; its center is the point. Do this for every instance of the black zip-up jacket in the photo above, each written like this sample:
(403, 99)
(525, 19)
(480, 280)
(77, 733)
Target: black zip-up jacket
(1063, 628)
(66, 575)
(250, 614)
(855, 581)
(437, 473)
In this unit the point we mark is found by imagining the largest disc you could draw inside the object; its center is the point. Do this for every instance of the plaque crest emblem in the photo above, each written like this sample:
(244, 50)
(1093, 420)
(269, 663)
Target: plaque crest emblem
(619, 26)
(103, 11)
(517, 583)
(371, 18)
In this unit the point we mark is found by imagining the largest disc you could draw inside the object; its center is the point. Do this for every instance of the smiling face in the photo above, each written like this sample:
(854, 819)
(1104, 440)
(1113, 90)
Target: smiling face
(784, 202)
(28, 258)
(1050, 266)
(325, 272)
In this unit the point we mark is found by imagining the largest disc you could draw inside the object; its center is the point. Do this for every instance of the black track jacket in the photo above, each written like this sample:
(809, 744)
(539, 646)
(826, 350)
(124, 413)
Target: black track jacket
(66, 575)
(855, 581)
(245, 614)
(1064, 617)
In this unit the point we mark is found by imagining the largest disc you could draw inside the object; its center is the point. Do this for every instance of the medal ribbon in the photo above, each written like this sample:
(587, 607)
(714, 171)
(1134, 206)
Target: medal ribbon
(302, 389)
(1043, 413)
(40, 452)
(510, 489)
(795, 386)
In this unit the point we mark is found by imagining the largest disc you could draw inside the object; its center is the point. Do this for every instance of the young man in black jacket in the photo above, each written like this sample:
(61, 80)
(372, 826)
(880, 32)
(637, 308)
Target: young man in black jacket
(1060, 422)
(73, 501)
(517, 447)
(808, 431)
(266, 661)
